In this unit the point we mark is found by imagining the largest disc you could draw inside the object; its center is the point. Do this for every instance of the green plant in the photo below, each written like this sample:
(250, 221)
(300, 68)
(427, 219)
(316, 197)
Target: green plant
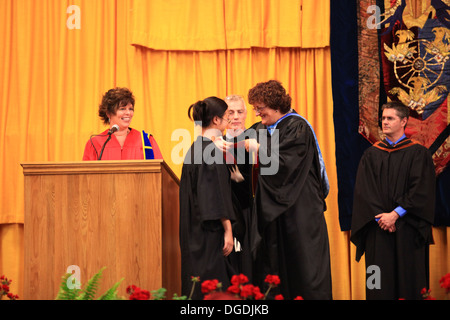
(90, 290)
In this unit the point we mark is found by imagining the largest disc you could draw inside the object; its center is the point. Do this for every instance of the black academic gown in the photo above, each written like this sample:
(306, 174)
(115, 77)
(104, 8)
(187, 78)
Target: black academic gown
(290, 210)
(243, 200)
(205, 198)
(388, 177)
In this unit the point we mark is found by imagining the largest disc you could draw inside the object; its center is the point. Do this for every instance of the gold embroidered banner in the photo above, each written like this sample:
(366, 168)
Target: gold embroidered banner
(414, 54)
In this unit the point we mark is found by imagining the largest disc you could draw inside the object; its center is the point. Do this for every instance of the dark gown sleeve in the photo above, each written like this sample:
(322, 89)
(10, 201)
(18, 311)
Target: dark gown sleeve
(242, 192)
(365, 202)
(298, 159)
(419, 199)
(214, 195)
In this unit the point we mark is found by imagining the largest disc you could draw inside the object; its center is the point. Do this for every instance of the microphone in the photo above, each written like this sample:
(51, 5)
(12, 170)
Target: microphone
(113, 129)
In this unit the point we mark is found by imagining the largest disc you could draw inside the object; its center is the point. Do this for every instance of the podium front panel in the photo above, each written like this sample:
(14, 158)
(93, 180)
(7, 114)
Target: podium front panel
(88, 215)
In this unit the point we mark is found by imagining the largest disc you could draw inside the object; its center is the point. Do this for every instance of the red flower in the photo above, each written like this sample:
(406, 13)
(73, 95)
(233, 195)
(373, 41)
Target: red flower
(234, 289)
(239, 279)
(137, 293)
(257, 293)
(130, 289)
(247, 291)
(12, 296)
(279, 297)
(445, 282)
(140, 294)
(209, 285)
(426, 295)
(272, 280)
(4, 288)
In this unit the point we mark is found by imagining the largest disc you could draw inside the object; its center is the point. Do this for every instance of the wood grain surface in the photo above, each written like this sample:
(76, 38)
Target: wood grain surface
(122, 215)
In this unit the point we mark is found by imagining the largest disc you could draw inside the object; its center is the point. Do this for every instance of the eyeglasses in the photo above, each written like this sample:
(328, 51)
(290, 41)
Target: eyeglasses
(259, 109)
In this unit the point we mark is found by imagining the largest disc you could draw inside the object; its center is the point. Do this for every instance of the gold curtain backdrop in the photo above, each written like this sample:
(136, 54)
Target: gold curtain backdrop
(170, 53)
(231, 24)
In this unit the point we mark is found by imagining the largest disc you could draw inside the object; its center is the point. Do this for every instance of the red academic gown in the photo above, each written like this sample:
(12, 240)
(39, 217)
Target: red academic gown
(132, 148)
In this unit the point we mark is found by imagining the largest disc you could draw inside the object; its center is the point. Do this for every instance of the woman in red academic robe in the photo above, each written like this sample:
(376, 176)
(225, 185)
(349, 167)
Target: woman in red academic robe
(117, 110)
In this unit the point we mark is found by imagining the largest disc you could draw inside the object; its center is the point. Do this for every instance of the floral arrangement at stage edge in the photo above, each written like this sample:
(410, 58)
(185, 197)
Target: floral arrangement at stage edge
(426, 294)
(4, 289)
(445, 283)
(213, 290)
(240, 289)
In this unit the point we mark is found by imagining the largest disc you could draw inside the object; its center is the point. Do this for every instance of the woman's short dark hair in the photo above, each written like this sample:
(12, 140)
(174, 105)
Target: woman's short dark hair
(112, 100)
(205, 110)
(272, 94)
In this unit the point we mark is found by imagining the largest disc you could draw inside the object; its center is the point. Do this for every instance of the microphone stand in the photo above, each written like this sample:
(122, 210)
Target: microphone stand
(103, 148)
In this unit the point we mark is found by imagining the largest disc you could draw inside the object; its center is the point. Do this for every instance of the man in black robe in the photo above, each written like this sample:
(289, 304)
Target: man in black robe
(205, 200)
(393, 211)
(241, 164)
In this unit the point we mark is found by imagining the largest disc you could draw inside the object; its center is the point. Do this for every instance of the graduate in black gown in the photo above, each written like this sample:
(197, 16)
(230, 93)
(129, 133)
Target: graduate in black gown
(393, 210)
(290, 198)
(206, 208)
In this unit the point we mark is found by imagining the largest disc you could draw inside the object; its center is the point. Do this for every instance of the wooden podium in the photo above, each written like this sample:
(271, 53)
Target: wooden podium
(122, 215)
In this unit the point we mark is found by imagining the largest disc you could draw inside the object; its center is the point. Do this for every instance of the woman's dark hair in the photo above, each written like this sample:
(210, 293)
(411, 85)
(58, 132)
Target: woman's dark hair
(112, 100)
(272, 94)
(206, 110)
